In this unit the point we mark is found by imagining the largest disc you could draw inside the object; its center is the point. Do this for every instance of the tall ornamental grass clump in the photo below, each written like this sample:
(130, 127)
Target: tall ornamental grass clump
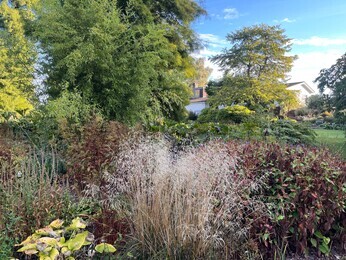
(30, 195)
(187, 204)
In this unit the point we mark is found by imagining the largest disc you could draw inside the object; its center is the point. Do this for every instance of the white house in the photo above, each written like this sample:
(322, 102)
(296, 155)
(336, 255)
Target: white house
(197, 105)
(303, 89)
(198, 101)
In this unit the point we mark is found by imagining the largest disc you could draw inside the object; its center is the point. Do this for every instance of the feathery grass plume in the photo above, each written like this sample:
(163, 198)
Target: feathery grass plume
(192, 203)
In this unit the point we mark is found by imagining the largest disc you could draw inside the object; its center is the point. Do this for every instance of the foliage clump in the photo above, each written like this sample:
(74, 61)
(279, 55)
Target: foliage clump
(304, 189)
(228, 114)
(56, 241)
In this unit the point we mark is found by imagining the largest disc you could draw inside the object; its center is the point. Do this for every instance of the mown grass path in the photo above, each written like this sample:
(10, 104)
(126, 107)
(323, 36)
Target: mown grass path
(335, 140)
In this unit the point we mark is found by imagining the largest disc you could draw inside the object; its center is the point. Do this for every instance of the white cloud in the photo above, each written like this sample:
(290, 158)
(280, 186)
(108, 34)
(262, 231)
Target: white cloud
(205, 53)
(230, 13)
(319, 41)
(217, 72)
(308, 65)
(285, 20)
(213, 40)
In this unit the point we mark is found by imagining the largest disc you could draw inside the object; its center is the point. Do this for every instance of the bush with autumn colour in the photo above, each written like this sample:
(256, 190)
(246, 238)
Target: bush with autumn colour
(305, 193)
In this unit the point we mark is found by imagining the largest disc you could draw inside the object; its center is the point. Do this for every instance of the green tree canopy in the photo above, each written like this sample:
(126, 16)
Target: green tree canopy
(253, 93)
(202, 73)
(17, 59)
(255, 68)
(257, 51)
(130, 70)
(177, 13)
(334, 79)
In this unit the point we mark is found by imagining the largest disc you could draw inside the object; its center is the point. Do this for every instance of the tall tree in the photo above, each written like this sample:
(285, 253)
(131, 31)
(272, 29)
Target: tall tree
(255, 67)
(177, 13)
(129, 70)
(202, 72)
(334, 79)
(257, 51)
(17, 59)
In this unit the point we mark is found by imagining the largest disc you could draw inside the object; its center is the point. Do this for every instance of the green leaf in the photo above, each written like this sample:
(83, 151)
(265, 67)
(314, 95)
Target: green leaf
(324, 248)
(77, 242)
(265, 236)
(326, 240)
(27, 247)
(76, 224)
(281, 217)
(313, 242)
(54, 253)
(105, 248)
(319, 234)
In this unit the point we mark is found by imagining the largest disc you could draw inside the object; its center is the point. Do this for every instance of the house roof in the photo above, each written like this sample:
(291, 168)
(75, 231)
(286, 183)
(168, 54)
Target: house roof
(303, 84)
(195, 100)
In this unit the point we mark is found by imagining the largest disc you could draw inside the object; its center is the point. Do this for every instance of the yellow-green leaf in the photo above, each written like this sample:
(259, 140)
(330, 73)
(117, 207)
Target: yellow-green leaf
(56, 223)
(105, 248)
(65, 251)
(30, 240)
(48, 240)
(27, 247)
(54, 253)
(61, 242)
(44, 231)
(77, 223)
(77, 242)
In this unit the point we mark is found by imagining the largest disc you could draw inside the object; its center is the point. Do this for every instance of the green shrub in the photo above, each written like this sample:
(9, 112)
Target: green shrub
(304, 111)
(238, 113)
(292, 132)
(229, 114)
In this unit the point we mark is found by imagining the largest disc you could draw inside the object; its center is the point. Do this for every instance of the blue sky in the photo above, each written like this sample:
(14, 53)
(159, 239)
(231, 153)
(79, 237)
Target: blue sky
(317, 29)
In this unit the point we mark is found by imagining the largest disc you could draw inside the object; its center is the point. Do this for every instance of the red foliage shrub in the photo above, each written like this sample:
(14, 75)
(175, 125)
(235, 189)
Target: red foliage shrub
(304, 188)
(90, 153)
(109, 227)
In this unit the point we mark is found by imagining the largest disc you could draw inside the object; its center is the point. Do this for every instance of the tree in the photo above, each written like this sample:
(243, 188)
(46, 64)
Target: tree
(130, 71)
(176, 13)
(334, 79)
(253, 93)
(255, 67)
(320, 103)
(202, 73)
(257, 51)
(17, 59)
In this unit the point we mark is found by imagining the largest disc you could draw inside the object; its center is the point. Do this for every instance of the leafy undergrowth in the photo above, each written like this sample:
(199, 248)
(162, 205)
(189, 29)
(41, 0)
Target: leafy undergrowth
(153, 200)
(306, 194)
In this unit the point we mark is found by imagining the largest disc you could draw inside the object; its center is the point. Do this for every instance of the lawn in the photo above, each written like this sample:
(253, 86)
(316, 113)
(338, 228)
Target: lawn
(334, 139)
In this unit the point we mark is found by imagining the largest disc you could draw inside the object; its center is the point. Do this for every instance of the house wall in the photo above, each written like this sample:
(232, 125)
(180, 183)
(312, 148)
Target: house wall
(302, 93)
(197, 107)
